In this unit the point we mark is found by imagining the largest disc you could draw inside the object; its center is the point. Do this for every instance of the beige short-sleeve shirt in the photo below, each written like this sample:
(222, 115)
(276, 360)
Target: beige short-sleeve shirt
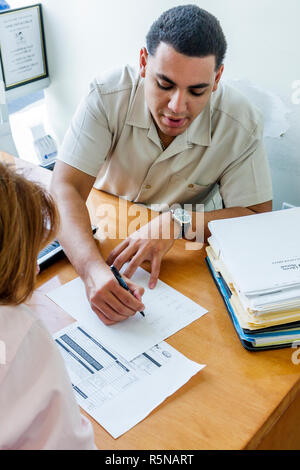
(113, 137)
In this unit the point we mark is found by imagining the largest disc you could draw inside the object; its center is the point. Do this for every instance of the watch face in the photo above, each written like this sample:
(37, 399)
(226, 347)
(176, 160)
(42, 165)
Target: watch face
(182, 216)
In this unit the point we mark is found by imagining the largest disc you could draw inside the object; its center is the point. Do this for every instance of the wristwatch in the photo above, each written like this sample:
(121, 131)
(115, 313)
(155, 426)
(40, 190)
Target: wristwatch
(183, 218)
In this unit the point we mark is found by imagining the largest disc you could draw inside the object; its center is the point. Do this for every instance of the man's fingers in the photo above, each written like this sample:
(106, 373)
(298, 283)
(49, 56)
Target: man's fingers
(124, 302)
(137, 290)
(116, 251)
(134, 264)
(129, 300)
(102, 317)
(124, 256)
(108, 312)
(155, 269)
(114, 303)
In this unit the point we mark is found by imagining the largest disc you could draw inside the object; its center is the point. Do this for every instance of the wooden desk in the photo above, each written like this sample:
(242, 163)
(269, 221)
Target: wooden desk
(241, 400)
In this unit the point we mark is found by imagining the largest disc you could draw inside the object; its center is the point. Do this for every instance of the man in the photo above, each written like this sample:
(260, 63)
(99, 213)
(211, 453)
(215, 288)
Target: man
(166, 135)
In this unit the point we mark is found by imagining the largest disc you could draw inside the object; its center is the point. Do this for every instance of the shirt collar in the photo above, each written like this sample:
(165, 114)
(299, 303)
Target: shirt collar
(139, 114)
(199, 132)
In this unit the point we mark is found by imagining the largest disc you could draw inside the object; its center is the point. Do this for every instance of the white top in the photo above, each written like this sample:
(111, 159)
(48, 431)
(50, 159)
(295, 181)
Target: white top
(113, 137)
(37, 406)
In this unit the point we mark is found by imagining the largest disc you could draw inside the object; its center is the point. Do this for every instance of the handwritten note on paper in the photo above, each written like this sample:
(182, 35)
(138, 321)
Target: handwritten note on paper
(167, 311)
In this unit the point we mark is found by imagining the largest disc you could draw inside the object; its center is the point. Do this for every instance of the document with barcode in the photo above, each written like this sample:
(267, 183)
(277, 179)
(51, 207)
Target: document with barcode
(118, 393)
(167, 311)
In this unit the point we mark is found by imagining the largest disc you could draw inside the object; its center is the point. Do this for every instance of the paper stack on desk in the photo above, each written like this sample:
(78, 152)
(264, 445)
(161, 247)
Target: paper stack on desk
(255, 262)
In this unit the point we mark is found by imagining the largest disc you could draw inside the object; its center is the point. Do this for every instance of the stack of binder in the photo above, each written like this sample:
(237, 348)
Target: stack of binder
(255, 262)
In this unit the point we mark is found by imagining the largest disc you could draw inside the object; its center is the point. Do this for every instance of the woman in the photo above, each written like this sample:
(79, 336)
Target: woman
(37, 406)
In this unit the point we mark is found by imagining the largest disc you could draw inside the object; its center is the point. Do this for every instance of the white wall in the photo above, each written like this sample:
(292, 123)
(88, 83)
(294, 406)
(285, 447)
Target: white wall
(263, 37)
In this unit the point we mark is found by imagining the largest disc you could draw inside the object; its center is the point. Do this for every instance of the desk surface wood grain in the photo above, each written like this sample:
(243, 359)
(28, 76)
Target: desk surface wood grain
(235, 402)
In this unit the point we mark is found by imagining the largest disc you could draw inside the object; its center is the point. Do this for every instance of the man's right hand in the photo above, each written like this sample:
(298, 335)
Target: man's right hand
(111, 302)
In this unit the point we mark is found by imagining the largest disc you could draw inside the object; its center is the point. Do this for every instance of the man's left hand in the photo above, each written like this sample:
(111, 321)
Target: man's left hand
(150, 243)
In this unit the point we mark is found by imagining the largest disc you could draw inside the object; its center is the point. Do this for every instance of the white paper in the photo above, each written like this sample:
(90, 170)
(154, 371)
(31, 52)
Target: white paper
(279, 300)
(117, 393)
(262, 251)
(264, 302)
(167, 311)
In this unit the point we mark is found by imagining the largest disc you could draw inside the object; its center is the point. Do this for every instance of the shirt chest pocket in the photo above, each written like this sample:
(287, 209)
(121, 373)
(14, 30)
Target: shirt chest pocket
(187, 190)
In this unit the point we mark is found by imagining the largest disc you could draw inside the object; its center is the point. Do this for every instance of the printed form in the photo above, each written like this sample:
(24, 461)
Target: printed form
(118, 393)
(167, 311)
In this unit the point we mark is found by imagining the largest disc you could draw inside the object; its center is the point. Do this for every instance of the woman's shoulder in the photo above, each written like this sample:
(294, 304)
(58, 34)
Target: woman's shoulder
(16, 323)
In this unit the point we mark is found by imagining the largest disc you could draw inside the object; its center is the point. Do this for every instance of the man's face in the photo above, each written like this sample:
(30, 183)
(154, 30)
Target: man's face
(177, 87)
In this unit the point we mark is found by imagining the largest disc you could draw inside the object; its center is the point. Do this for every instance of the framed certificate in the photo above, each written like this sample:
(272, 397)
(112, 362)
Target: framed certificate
(22, 46)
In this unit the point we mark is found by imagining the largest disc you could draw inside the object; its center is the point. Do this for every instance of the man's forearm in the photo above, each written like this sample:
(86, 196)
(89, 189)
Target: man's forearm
(75, 234)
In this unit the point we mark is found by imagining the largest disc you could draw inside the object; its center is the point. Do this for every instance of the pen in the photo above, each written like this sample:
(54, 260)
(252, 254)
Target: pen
(122, 282)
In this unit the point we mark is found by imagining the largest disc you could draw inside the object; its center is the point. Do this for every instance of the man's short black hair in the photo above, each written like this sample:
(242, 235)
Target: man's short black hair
(190, 30)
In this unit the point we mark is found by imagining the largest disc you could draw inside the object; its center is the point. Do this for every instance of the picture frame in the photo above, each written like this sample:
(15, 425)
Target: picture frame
(22, 46)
